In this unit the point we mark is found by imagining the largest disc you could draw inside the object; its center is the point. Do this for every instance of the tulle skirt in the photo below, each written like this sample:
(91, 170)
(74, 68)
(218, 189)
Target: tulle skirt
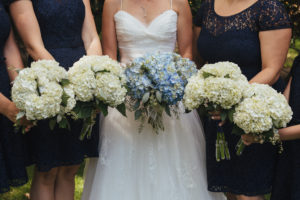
(148, 166)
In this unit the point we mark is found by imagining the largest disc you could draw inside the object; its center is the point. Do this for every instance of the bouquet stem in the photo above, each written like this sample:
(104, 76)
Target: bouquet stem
(222, 150)
(240, 147)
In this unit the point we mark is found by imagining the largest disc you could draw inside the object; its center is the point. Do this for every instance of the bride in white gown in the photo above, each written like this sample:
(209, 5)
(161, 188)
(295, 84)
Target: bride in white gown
(147, 166)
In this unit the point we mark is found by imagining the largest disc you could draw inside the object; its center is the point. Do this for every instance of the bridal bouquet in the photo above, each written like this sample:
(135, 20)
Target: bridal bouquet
(261, 114)
(156, 85)
(98, 82)
(42, 92)
(217, 87)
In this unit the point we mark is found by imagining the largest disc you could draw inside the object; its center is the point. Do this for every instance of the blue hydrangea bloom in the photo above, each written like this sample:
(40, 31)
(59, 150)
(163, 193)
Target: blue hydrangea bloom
(164, 72)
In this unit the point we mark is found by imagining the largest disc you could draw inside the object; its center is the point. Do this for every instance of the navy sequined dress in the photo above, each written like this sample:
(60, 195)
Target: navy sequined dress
(61, 23)
(235, 38)
(287, 180)
(12, 150)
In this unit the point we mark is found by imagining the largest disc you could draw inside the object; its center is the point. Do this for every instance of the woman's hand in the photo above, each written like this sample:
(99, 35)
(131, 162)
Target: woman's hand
(216, 115)
(249, 139)
(10, 111)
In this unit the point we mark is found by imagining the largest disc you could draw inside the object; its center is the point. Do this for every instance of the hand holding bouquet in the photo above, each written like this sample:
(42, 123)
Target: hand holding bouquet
(217, 87)
(261, 114)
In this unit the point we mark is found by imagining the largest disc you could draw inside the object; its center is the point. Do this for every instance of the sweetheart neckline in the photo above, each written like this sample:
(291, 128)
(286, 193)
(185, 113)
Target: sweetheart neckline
(151, 22)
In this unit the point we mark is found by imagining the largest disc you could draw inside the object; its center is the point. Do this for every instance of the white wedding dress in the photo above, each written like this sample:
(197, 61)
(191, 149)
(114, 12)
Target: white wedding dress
(147, 166)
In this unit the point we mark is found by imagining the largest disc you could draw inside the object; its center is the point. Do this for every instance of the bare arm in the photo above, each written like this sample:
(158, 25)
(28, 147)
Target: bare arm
(290, 133)
(185, 30)
(89, 32)
(27, 25)
(8, 108)
(274, 47)
(109, 37)
(13, 57)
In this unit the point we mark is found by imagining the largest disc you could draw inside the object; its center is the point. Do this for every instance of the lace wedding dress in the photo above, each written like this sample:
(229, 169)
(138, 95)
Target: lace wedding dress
(147, 166)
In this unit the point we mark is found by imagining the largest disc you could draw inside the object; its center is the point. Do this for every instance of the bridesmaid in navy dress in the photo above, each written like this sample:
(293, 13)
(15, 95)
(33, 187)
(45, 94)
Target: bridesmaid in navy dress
(12, 150)
(255, 34)
(287, 180)
(63, 30)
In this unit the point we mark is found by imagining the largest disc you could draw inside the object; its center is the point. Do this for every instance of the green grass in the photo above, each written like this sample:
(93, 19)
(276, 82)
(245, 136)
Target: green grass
(293, 52)
(19, 193)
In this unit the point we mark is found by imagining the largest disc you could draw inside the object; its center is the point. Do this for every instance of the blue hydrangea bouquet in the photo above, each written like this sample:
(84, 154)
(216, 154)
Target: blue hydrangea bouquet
(156, 84)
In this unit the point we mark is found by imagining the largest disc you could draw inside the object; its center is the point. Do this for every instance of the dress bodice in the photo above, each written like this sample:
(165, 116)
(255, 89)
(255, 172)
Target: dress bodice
(235, 38)
(136, 39)
(60, 22)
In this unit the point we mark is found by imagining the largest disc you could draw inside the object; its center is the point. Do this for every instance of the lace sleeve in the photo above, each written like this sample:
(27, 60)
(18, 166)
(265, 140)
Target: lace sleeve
(273, 16)
(198, 19)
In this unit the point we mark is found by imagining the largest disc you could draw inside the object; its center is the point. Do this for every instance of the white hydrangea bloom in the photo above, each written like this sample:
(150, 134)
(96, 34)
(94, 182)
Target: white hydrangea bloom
(253, 116)
(100, 77)
(278, 106)
(109, 89)
(223, 92)
(37, 92)
(263, 103)
(71, 102)
(220, 84)
(194, 93)
(222, 70)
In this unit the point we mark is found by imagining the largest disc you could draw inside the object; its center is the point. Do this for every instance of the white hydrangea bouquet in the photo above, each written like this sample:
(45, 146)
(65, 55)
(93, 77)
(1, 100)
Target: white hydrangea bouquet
(217, 87)
(98, 82)
(42, 92)
(156, 85)
(261, 113)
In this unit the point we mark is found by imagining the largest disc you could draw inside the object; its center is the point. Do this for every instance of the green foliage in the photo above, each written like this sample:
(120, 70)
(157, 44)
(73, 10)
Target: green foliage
(293, 8)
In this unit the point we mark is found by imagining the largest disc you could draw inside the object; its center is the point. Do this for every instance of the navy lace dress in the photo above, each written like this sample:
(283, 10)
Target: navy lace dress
(287, 180)
(12, 150)
(61, 24)
(236, 39)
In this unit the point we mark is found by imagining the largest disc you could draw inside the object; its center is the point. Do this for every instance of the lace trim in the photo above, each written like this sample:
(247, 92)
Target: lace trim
(262, 15)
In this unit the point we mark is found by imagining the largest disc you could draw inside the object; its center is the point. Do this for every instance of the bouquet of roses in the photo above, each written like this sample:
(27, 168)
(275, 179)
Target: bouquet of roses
(42, 92)
(98, 82)
(217, 87)
(156, 85)
(262, 112)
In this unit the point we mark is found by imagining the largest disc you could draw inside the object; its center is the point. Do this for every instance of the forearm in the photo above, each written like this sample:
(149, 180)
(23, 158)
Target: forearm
(93, 47)
(266, 76)
(38, 52)
(290, 133)
(13, 57)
